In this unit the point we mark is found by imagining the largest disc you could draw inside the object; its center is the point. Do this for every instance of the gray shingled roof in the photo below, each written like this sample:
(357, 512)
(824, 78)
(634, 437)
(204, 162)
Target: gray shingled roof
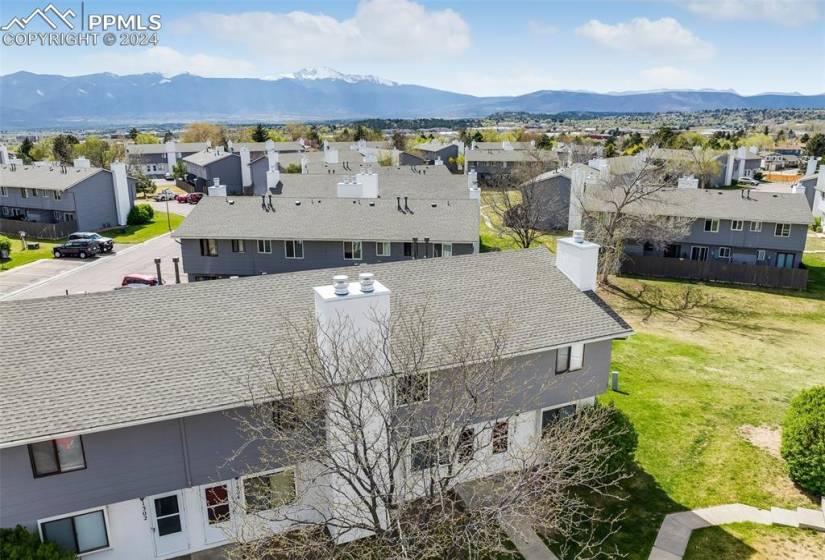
(498, 145)
(510, 155)
(720, 204)
(321, 168)
(182, 147)
(227, 326)
(431, 146)
(206, 157)
(45, 177)
(329, 219)
(261, 146)
(429, 185)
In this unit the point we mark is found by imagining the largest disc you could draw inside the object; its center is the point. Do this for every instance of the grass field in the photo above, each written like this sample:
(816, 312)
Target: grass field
(128, 234)
(693, 375)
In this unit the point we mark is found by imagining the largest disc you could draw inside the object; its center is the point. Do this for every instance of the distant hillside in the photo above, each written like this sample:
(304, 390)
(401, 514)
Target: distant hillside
(36, 100)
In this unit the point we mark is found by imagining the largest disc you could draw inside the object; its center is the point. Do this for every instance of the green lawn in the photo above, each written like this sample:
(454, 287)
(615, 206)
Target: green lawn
(128, 234)
(495, 239)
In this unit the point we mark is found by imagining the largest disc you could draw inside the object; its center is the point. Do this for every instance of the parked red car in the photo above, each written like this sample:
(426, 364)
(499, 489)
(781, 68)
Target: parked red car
(181, 198)
(139, 281)
(194, 198)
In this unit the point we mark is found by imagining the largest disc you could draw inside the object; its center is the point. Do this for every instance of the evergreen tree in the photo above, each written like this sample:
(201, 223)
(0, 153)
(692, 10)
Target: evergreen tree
(260, 134)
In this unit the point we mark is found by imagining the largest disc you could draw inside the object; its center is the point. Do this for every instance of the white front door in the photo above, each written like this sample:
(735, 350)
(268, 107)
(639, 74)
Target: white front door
(168, 523)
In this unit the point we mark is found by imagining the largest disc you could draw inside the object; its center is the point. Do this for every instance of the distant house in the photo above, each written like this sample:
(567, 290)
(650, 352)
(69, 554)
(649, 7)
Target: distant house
(490, 163)
(775, 161)
(50, 201)
(157, 160)
(734, 235)
(307, 221)
(730, 165)
(433, 153)
(813, 187)
(214, 167)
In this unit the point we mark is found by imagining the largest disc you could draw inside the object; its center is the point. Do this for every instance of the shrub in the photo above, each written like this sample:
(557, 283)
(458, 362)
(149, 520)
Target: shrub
(21, 544)
(5, 243)
(140, 214)
(293, 168)
(817, 225)
(803, 440)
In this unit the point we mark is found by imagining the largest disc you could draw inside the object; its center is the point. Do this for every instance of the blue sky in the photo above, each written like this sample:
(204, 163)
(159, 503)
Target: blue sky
(480, 47)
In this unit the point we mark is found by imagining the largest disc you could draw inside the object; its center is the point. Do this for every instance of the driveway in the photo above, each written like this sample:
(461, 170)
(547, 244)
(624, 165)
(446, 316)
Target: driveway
(99, 274)
(175, 207)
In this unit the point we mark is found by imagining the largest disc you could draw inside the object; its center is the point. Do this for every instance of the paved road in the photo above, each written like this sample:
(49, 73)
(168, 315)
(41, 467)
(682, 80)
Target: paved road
(34, 273)
(175, 207)
(106, 272)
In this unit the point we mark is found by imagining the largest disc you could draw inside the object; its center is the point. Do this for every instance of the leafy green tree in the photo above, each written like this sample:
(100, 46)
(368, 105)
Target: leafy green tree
(26, 148)
(260, 133)
(803, 439)
(143, 184)
(42, 150)
(804, 138)
(168, 136)
(146, 138)
(96, 150)
(399, 140)
(544, 142)
(815, 146)
(133, 133)
(609, 149)
(477, 136)
(179, 170)
(62, 148)
(22, 544)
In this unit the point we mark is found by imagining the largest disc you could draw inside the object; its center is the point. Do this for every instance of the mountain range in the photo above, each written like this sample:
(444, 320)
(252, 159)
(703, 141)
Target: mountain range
(44, 100)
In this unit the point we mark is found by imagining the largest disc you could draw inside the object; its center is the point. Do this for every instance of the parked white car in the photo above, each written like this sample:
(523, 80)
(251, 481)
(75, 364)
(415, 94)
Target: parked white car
(165, 194)
(747, 181)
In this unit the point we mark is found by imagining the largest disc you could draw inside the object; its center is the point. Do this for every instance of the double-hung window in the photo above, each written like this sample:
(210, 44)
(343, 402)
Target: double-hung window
(712, 225)
(383, 248)
(294, 249)
(4, 191)
(57, 456)
(269, 491)
(737, 225)
(237, 246)
(569, 358)
(264, 246)
(443, 250)
(209, 247)
(352, 250)
(724, 253)
(755, 226)
(426, 454)
(57, 195)
(79, 533)
(552, 415)
(782, 230)
(24, 193)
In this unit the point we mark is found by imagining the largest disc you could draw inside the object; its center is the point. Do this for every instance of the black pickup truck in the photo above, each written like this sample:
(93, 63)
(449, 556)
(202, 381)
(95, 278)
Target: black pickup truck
(82, 248)
(105, 243)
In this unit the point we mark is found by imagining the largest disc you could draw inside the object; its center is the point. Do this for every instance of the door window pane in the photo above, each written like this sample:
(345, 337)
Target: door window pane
(167, 514)
(217, 504)
(60, 532)
(91, 531)
(169, 525)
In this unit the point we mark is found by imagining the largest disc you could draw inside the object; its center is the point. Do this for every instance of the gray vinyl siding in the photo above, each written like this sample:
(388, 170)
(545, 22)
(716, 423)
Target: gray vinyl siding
(317, 254)
(553, 198)
(139, 461)
(227, 169)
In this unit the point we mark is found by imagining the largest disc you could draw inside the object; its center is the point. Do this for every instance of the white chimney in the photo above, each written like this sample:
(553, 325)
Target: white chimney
(208, 143)
(216, 189)
(729, 168)
(326, 145)
(369, 184)
(472, 185)
(171, 154)
(273, 177)
(439, 161)
(506, 146)
(4, 155)
(82, 163)
(304, 165)
(688, 182)
(271, 154)
(123, 202)
(246, 171)
(574, 208)
(811, 168)
(820, 180)
(352, 317)
(578, 260)
(230, 145)
(472, 145)
(753, 149)
(331, 155)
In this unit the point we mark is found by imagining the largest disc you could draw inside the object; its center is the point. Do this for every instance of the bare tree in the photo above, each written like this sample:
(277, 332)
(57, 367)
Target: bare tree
(394, 458)
(701, 162)
(630, 205)
(518, 201)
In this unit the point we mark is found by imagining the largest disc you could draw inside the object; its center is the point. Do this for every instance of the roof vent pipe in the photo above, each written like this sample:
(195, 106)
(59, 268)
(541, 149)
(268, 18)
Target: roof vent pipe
(367, 279)
(341, 284)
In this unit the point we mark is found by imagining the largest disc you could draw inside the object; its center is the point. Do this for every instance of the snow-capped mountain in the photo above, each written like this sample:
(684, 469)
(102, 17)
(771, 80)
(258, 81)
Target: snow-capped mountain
(43, 100)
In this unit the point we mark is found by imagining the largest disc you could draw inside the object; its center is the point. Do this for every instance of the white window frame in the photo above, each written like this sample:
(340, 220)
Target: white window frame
(729, 255)
(380, 247)
(781, 233)
(419, 439)
(24, 193)
(57, 195)
(4, 191)
(756, 226)
(40, 523)
(446, 249)
(295, 243)
(540, 418)
(360, 250)
(705, 247)
(734, 222)
(242, 489)
(239, 243)
(263, 241)
(714, 225)
(398, 402)
(42, 193)
(761, 255)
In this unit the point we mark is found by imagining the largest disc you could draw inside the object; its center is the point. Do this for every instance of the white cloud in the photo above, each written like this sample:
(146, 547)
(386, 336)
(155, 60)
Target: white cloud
(668, 77)
(783, 12)
(379, 30)
(168, 62)
(661, 37)
(542, 29)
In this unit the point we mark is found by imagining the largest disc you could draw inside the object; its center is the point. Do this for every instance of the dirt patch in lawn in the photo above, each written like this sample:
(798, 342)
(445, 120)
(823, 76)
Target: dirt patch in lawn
(767, 438)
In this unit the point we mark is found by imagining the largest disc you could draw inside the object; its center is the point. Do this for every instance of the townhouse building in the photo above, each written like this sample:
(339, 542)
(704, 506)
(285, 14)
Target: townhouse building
(499, 159)
(157, 160)
(135, 455)
(49, 201)
(311, 221)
